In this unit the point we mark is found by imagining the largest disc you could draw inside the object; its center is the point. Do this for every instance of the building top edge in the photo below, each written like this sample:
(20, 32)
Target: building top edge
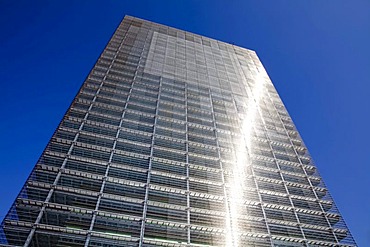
(129, 17)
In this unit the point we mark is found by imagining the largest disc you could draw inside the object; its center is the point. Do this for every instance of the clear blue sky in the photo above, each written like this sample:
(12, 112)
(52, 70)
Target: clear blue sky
(317, 53)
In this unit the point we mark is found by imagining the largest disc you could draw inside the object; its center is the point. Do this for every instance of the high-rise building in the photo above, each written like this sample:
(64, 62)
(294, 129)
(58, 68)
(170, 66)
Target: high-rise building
(175, 139)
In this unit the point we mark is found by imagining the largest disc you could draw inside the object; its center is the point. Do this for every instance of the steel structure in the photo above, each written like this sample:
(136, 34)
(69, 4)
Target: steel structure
(175, 139)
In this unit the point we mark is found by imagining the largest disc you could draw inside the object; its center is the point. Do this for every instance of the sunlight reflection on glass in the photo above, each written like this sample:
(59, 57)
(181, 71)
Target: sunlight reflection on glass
(237, 186)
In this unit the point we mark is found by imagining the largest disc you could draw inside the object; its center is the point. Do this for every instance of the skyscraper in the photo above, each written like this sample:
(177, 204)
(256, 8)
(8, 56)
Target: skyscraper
(175, 139)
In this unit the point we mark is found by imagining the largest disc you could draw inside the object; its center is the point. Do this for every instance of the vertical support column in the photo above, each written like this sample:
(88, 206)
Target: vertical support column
(115, 141)
(107, 169)
(142, 231)
(227, 206)
(187, 164)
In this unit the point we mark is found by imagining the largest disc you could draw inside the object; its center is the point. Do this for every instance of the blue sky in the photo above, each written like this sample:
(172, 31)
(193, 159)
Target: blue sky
(317, 54)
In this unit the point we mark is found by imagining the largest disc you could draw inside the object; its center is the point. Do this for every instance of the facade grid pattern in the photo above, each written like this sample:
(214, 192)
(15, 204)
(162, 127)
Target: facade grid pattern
(175, 139)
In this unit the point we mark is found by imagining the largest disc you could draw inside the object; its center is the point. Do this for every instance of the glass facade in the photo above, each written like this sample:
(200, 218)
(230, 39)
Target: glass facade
(175, 139)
